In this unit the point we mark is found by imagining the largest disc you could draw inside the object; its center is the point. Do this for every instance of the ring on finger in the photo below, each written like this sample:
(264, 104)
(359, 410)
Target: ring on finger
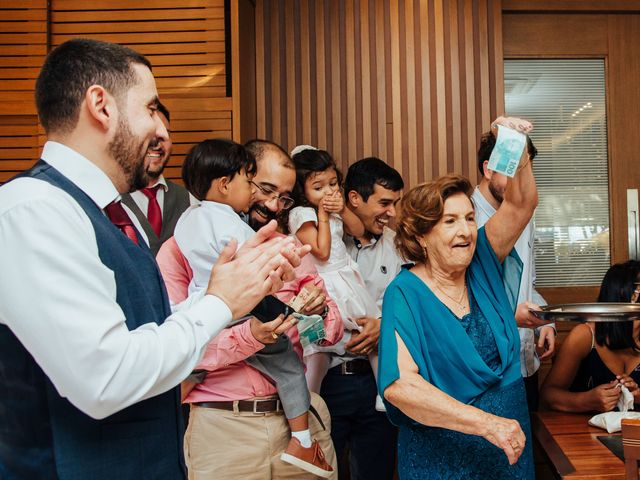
(274, 335)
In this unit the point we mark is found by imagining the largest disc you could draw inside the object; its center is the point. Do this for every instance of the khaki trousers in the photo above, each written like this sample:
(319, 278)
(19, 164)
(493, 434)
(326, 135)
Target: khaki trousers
(223, 445)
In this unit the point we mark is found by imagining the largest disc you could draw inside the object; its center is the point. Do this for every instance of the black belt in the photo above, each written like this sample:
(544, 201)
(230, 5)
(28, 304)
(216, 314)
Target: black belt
(268, 405)
(357, 366)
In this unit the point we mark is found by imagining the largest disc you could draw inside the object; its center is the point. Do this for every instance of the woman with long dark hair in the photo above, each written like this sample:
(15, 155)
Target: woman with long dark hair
(596, 358)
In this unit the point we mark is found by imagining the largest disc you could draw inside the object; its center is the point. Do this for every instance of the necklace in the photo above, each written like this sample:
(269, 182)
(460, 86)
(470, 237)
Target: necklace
(459, 302)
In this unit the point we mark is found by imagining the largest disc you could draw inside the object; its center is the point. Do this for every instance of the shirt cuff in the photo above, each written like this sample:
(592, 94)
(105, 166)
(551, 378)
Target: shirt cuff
(211, 313)
(552, 325)
(244, 331)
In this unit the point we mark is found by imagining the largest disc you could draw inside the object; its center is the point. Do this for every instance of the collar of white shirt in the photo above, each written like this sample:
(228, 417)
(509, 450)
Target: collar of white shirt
(482, 203)
(87, 176)
(163, 182)
(221, 207)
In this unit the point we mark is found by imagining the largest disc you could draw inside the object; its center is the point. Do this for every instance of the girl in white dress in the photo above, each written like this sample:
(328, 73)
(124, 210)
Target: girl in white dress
(319, 220)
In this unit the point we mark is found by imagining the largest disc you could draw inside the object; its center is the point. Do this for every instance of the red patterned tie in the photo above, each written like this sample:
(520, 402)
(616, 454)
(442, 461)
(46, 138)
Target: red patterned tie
(120, 219)
(154, 214)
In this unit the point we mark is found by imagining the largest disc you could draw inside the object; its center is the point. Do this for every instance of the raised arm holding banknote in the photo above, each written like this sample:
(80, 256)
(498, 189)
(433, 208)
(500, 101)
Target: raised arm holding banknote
(449, 346)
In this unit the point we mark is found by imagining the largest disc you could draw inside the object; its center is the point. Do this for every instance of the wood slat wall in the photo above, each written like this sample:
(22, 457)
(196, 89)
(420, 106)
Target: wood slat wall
(23, 46)
(183, 39)
(413, 82)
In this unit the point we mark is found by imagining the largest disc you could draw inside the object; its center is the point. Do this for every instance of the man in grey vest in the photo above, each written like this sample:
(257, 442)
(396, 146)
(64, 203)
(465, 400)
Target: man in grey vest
(158, 206)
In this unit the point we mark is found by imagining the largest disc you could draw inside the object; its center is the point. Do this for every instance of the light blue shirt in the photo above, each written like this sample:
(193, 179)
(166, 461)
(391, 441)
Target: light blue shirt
(529, 361)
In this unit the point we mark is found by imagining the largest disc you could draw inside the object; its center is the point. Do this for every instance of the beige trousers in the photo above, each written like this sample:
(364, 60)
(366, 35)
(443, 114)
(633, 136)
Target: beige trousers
(223, 445)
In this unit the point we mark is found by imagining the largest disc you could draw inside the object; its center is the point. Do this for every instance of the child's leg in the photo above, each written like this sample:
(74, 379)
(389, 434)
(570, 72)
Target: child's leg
(317, 367)
(299, 427)
(280, 362)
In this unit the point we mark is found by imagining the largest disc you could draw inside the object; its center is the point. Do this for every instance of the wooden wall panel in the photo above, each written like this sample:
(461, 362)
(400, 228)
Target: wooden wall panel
(23, 46)
(413, 82)
(185, 42)
(183, 39)
(623, 98)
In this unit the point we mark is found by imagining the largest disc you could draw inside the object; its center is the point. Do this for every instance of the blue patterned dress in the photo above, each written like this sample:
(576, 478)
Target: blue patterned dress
(474, 359)
(428, 452)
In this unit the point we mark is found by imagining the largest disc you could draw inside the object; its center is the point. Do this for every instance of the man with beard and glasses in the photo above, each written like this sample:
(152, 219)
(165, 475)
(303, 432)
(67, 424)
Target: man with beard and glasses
(237, 403)
(157, 207)
(90, 354)
(372, 190)
(487, 197)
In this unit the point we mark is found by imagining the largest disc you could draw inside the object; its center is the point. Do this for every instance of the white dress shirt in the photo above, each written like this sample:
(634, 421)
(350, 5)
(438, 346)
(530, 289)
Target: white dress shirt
(529, 362)
(142, 201)
(59, 299)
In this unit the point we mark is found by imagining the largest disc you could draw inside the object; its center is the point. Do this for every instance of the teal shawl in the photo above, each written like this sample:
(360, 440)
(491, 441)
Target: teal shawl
(436, 340)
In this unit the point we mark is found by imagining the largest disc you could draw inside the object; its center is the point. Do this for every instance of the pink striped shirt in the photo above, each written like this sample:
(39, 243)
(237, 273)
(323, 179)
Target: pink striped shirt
(229, 377)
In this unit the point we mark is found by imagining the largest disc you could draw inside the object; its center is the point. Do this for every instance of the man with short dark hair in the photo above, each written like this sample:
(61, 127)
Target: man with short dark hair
(487, 197)
(158, 206)
(372, 190)
(235, 401)
(90, 354)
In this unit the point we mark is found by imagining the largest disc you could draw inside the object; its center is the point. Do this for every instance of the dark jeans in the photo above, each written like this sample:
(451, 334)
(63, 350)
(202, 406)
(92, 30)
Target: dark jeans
(355, 424)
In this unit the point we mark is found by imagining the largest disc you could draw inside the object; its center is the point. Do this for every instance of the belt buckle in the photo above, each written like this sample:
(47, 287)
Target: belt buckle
(264, 412)
(255, 407)
(345, 370)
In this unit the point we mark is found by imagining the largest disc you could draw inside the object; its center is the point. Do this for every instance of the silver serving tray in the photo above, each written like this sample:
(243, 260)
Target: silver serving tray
(589, 312)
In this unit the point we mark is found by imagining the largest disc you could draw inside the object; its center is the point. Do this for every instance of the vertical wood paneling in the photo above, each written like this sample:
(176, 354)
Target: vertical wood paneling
(468, 95)
(410, 162)
(411, 81)
(365, 79)
(261, 97)
(379, 79)
(293, 90)
(623, 98)
(395, 154)
(305, 78)
(439, 67)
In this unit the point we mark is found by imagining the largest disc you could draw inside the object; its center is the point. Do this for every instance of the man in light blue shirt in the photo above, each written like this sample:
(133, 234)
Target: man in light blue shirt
(487, 197)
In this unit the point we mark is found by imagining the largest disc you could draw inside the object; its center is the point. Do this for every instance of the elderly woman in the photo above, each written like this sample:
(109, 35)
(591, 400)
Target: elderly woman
(449, 346)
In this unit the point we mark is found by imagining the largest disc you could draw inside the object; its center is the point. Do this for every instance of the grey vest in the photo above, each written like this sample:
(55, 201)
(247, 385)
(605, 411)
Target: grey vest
(176, 201)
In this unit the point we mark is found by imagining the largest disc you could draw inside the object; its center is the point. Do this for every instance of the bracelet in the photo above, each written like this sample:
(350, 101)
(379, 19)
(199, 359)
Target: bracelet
(323, 221)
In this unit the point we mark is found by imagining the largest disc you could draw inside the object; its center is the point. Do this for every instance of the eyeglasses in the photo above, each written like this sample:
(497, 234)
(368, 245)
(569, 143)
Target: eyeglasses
(283, 201)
